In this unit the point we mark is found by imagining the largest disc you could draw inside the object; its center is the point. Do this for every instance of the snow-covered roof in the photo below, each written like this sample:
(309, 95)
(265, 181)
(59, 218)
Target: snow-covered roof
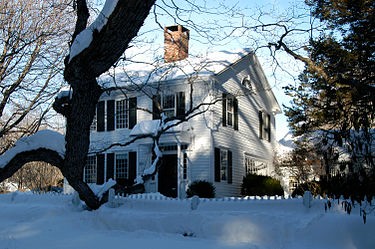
(141, 72)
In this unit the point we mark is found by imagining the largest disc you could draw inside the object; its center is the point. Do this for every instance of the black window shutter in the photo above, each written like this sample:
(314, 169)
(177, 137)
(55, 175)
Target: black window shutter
(100, 116)
(132, 166)
(224, 109)
(217, 165)
(156, 107)
(269, 127)
(235, 110)
(180, 105)
(110, 165)
(132, 112)
(110, 115)
(260, 114)
(230, 167)
(100, 169)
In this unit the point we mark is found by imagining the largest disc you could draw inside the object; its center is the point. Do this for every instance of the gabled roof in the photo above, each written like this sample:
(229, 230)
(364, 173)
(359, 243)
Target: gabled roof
(141, 72)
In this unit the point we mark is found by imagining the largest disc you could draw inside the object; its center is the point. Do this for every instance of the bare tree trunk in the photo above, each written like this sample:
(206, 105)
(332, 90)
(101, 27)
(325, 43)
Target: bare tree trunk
(81, 71)
(77, 138)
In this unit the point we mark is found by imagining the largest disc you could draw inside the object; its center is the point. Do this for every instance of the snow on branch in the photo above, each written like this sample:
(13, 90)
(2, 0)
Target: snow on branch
(84, 38)
(44, 139)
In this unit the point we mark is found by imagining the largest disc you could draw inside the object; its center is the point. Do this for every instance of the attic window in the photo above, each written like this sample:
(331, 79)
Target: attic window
(246, 82)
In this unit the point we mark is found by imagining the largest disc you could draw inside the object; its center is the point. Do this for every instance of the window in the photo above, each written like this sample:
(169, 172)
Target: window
(169, 105)
(172, 105)
(115, 114)
(89, 173)
(121, 166)
(246, 82)
(250, 165)
(253, 166)
(264, 126)
(230, 111)
(223, 165)
(121, 114)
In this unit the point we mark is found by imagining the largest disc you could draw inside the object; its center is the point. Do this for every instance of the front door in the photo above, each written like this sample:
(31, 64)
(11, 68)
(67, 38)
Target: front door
(167, 180)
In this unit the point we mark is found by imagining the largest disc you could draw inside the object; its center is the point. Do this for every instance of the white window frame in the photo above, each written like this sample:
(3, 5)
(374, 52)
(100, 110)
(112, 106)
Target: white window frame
(230, 111)
(121, 166)
(253, 165)
(90, 170)
(223, 165)
(265, 126)
(168, 109)
(121, 114)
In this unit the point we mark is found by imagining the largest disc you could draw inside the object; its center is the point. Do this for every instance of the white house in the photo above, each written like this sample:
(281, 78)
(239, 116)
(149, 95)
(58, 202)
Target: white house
(230, 129)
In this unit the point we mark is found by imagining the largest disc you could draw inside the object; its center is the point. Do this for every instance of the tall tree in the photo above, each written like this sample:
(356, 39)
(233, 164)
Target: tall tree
(31, 63)
(110, 38)
(336, 93)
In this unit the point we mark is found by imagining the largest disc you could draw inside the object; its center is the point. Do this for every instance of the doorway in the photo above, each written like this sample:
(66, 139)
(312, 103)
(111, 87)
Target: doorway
(167, 176)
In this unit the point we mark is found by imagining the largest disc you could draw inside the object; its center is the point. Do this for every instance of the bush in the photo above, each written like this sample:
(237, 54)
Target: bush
(203, 189)
(260, 185)
(313, 187)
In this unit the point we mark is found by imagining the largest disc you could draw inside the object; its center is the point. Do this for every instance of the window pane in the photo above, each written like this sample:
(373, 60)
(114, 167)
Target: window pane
(121, 114)
(230, 105)
(223, 164)
(168, 101)
(89, 173)
(121, 166)
(169, 105)
(230, 111)
(253, 166)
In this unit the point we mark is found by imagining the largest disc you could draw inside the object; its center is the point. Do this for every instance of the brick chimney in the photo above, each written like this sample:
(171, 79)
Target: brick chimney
(176, 43)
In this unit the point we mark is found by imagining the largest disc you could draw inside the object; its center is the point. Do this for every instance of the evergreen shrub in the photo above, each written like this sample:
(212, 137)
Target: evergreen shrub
(201, 188)
(260, 185)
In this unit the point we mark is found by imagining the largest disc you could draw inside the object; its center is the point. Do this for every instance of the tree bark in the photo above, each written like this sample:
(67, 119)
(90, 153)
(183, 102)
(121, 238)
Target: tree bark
(77, 138)
(81, 71)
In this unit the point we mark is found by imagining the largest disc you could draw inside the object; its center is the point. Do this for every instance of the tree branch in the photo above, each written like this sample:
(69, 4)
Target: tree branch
(45, 155)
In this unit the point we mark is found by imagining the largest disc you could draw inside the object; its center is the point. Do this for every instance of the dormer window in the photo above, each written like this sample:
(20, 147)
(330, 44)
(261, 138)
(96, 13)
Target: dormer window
(246, 82)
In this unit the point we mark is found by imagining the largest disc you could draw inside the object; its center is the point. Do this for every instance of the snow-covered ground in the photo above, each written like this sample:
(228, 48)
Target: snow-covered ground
(52, 221)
